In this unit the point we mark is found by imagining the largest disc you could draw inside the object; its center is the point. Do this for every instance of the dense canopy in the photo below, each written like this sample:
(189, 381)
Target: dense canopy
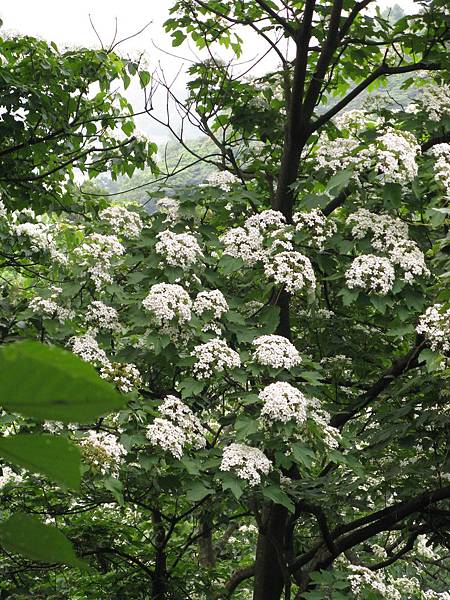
(245, 393)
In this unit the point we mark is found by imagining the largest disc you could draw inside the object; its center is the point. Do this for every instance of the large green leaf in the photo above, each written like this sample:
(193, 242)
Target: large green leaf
(53, 456)
(26, 535)
(46, 382)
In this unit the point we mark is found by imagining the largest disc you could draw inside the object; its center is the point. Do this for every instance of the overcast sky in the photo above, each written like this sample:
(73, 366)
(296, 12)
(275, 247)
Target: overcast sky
(69, 25)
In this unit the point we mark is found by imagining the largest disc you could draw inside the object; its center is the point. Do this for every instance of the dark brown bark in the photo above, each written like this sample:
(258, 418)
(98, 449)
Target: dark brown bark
(269, 579)
(159, 586)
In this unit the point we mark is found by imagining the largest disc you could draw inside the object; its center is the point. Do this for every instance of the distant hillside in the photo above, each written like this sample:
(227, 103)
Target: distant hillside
(173, 157)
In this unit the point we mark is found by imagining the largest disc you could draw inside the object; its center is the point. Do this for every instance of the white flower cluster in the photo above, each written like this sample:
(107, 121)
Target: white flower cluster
(374, 274)
(266, 220)
(103, 451)
(122, 221)
(244, 243)
(211, 301)
(434, 100)
(39, 236)
(178, 249)
(386, 231)
(179, 428)
(86, 347)
(3, 211)
(396, 156)
(170, 207)
(342, 153)
(125, 376)
(9, 476)
(316, 225)
(168, 301)
(442, 166)
(248, 463)
(224, 180)
(393, 154)
(434, 324)
(331, 435)
(390, 236)
(214, 356)
(292, 270)
(282, 402)
(356, 120)
(275, 351)
(49, 308)
(96, 253)
(361, 578)
(102, 316)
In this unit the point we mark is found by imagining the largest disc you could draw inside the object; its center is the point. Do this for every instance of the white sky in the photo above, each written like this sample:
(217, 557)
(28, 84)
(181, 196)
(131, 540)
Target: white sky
(68, 24)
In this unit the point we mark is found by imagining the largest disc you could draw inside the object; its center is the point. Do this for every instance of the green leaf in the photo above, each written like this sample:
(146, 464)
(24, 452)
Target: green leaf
(26, 535)
(115, 487)
(144, 78)
(53, 456)
(228, 264)
(392, 195)
(196, 491)
(269, 318)
(231, 483)
(45, 382)
(190, 387)
(277, 495)
(245, 426)
(338, 182)
(303, 454)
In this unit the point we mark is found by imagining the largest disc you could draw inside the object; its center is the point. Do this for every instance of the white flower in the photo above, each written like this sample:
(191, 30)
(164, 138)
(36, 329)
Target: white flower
(396, 158)
(243, 243)
(102, 316)
(178, 249)
(283, 402)
(267, 219)
(435, 100)
(291, 269)
(374, 274)
(122, 221)
(103, 451)
(212, 301)
(181, 415)
(40, 238)
(9, 476)
(3, 211)
(170, 207)
(125, 376)
(390, 235)
(168, 301)
(222, 179)
(248, 463)
(86, 347)
(179, 428)
(276, 351)
(47, 307)
(167, 435)
(316, 225)
(410, 259)
(442, 166)
(214, 356)
(96, 253)
(434, 324)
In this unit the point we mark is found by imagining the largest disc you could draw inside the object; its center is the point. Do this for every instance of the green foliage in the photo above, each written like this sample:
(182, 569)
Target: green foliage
(187, 468)
(53, 456)
(50, 383)
(25, 534)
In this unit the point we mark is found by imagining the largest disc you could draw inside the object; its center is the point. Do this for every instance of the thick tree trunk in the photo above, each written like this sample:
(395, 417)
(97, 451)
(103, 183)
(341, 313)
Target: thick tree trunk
(206, 551)
(159, 587)
(269, 579)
